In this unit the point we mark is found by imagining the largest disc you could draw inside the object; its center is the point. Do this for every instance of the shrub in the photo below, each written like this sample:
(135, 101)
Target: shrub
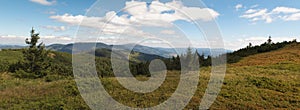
(23, 74)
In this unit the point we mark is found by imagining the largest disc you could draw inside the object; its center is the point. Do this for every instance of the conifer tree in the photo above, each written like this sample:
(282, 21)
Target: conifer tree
(35, 57)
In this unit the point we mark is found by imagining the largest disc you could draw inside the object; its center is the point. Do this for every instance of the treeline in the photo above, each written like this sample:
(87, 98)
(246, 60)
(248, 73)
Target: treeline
(252, 50)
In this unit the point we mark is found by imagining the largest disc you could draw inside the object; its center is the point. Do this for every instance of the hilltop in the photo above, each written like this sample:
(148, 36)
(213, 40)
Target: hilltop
(287, 54)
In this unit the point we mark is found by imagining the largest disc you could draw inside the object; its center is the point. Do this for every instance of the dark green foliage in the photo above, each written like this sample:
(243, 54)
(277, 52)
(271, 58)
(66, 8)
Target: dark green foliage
(141, 69)
(60, 63)
(35, 56)
(24, 74)
(8, 57)
(103, 67)
(35, 63)
(103, 52)
(50, 78)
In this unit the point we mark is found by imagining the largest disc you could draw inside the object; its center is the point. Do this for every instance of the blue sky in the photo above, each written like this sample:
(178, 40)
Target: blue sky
(240, 21)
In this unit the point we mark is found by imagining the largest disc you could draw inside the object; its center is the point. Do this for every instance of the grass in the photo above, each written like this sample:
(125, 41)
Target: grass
(10, 56)
(262, 81)
(244, 88)
(19, 94)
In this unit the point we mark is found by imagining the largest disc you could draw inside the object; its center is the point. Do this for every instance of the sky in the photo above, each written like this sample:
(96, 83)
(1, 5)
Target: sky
(158, 23)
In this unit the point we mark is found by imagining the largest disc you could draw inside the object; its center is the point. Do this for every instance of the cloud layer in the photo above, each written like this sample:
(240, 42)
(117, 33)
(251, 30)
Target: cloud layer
(269, 16)
(140, 14)
(55, 28)
(20, 40)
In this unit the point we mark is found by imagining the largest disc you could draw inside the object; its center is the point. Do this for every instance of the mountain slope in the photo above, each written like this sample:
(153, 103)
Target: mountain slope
(288, 54)
(263, 81)
(267, 80)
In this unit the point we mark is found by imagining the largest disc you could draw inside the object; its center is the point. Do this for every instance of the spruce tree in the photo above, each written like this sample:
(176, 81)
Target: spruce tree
(35, 57)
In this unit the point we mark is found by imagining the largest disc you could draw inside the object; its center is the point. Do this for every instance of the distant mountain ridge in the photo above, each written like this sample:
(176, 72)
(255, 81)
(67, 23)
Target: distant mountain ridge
(10, 46)
(163, 52)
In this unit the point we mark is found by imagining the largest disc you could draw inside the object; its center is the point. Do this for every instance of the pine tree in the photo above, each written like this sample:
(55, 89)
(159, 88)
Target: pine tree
(187, 62)
(270, 40)
(35, 57)
(201, 58)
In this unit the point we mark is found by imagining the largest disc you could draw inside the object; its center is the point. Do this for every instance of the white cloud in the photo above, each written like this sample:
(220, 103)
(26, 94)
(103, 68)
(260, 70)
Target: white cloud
(293, 17)
(141, 15)
(67, 18)
(20, 40)
(138, 15)
(44, 2)
(168, 32)
(281, 13)
(285, 10)
(256, 40)
(258, 13)
(55, 28)
(153, 15)
(250, 11)
(238, 6)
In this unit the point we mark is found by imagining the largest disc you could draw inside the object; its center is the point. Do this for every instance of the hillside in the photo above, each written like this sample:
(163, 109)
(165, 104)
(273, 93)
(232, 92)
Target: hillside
(288, 54)
(267, 80)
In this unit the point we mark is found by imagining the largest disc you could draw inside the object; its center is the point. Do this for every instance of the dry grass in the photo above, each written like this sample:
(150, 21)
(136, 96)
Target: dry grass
(289, 54)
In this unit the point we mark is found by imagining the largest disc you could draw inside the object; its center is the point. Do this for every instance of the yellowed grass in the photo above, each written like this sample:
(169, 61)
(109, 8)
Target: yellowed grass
(290, 53)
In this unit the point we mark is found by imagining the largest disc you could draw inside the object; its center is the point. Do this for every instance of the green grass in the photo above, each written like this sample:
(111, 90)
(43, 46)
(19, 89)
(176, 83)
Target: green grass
(244, 88)
(20, 94)
(10, 56)
(250, 87)
(263, 81)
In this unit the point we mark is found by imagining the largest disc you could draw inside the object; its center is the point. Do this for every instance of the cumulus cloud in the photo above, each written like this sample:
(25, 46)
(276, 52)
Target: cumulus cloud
(269, 16)
(238, 6)
(55, 28)
(44, 2)
(140, 14)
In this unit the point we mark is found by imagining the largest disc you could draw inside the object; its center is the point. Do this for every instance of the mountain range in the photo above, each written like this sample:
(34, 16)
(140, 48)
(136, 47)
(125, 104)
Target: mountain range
(158, 51)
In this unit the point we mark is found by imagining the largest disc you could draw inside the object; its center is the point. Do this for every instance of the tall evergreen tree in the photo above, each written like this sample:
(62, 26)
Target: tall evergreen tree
(35, 56)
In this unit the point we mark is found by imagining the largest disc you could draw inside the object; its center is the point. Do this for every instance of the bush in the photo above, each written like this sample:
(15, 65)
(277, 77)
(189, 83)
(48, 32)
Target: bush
(23, 74)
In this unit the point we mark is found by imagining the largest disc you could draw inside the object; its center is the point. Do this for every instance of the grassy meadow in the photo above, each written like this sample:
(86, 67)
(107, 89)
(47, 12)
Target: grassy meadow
(262, 81)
